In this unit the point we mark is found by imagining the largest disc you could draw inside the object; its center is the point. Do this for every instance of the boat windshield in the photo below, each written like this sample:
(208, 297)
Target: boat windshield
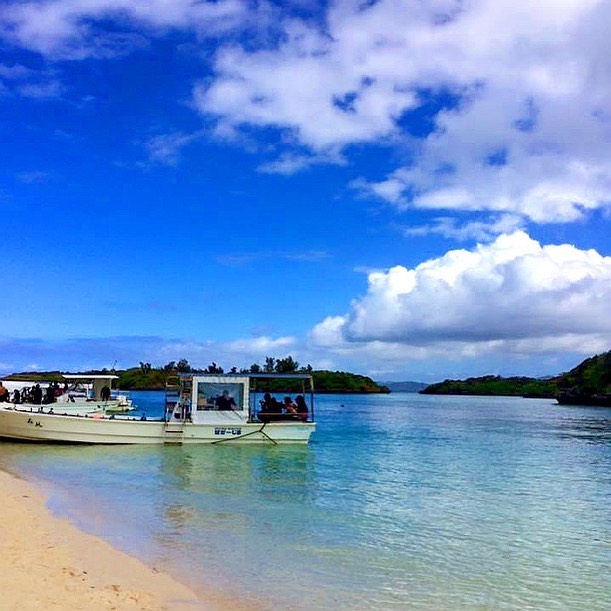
(220, 396)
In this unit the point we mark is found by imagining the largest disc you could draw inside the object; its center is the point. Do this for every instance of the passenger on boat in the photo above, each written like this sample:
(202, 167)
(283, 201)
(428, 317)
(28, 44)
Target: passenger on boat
(289, 406)
(270, 404)
(4, 393)
(16, 397)
(50, 394)
(302, 407)
(36, 395)
(225, 402)
(271, 409)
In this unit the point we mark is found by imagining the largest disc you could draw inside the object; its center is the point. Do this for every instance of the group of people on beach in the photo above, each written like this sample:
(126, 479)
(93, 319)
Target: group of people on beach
(273, 410)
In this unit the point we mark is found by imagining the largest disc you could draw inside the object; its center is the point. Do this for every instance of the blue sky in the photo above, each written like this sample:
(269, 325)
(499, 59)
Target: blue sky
(406, 189)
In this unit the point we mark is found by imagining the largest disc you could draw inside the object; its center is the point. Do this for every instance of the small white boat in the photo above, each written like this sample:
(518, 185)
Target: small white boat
(201, 409)
(83, 394)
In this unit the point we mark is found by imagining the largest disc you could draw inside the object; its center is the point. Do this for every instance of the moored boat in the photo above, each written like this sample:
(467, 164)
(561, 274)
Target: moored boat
(80, 394)
(201, 409)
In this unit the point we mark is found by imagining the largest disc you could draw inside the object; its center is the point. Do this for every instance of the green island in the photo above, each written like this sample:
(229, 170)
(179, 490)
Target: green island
(147, 377)
(587, 384)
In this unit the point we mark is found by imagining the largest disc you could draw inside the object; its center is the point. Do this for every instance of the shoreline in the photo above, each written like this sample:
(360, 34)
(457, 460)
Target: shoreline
(48, 562)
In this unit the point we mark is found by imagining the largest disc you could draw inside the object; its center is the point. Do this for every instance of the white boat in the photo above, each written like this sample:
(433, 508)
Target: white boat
(202, 409)
(84, 394)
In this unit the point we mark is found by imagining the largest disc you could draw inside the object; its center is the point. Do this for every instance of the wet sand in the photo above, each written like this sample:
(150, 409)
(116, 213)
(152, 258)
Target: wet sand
(48, 563)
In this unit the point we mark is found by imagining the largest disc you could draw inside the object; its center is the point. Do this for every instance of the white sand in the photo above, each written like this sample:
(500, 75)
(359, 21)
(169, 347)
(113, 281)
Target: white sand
(47, 563)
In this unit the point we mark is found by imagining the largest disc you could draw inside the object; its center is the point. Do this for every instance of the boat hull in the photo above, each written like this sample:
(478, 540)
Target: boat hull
(77, 407)
(40, 427)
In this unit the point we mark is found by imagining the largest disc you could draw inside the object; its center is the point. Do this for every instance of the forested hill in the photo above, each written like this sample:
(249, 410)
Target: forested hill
(590, 379)
(339, 382)
(343, 382)
(147, 377)
(494, 385)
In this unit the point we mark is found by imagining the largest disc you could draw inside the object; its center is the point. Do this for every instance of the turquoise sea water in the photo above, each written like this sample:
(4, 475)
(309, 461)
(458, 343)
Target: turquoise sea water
(401, 501)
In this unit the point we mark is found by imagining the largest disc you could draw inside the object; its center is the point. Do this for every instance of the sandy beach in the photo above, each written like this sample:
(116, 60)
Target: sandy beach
(48, 563)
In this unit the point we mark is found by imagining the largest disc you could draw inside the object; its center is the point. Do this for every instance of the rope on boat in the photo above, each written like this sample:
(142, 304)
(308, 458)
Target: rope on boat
(246, 435)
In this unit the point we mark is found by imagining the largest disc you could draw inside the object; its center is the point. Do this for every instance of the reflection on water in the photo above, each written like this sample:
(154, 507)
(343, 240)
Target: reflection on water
(400, 501)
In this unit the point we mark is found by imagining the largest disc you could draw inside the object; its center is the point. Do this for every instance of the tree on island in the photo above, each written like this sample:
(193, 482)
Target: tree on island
(287, 365)
(147, 377)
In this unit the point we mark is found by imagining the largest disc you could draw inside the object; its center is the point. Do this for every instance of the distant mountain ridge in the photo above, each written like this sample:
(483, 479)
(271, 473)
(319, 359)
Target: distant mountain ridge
(405, 386)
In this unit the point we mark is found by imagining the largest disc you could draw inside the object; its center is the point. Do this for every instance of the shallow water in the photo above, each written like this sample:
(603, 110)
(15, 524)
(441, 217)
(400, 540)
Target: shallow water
(400, 501)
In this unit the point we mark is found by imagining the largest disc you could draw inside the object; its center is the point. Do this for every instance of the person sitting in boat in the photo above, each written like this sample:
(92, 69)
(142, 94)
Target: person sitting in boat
(4, 394)
(271, 408)
(16, 397)
(225, 402)
(290, 407)
(270, 404)
(302, 407)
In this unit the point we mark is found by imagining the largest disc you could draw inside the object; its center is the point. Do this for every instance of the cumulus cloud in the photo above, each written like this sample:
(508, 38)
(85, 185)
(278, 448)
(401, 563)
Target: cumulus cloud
(511, 295)
(518, 92)
(528, 128)
(74, 30)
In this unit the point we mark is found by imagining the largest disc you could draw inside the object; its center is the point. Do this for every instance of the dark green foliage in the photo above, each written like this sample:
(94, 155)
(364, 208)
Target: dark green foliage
(146, 377)
(136, 379)
(336, 382)
(343, 382)
(214, 368)
(493, 385)
(592, 377)
(183, 366)
(287, 365)
(37, 376)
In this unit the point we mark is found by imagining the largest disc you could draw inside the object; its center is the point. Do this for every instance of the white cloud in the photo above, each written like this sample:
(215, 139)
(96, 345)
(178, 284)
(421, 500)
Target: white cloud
(481, 231)
(513, 296)
(289, 163)
(166, 148)
(261, 346)
(70, 30)
(20, 80)
(129, 351)
(530, 134)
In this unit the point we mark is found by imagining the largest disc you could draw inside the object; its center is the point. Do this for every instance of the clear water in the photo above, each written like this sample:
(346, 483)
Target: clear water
(401, 501)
